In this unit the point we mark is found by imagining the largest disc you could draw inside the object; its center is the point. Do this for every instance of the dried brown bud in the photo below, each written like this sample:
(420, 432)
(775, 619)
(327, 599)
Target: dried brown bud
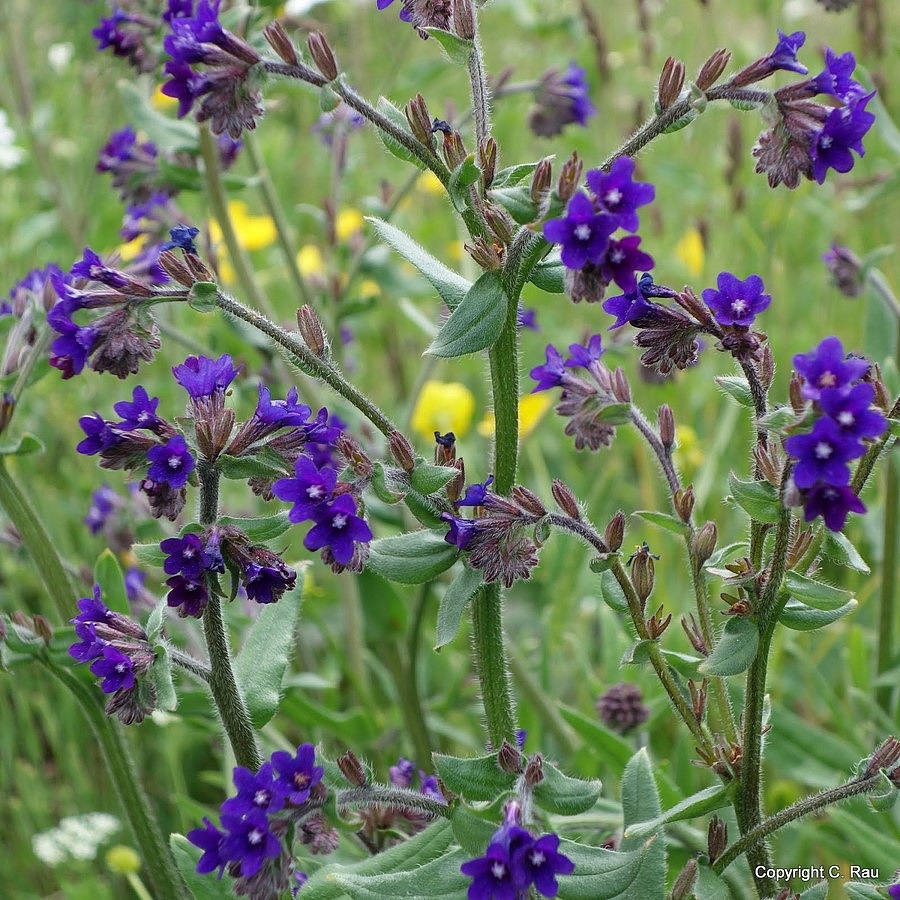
(322, 54)
(716, 839)
(800, 545)
(311, 330)
(402, 451)
(500, 222)
(352, 769)
(704, 543)
(444, 448)
(198, 268)
(766, 367)
(620, 387)
(795, 392)
(570, 177)
(280, 42)
(487, 161)
(540, 179)
(886, 756)
(509, 758)
(684, 883)
(683, 501)
(770, 462)
(694, 635)
(485, 254)
(42, 628)
(690, 302)
(534, 771)
(614, 533)
(351, 450)
(529, 501)
(565, 499)
(643, 575)
(711, 71)
(464, 19)
(698, 698)
(671, 81)
(419, 120)
(455, 486)
(657, 623)
(666, 421)
(7, 408)
(176, 269)
(453, 148)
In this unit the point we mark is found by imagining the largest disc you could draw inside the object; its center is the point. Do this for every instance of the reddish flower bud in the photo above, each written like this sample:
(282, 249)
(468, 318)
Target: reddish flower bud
(323, 55)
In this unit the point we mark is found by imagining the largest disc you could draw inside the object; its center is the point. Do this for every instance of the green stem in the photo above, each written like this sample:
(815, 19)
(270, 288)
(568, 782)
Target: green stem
(397, 798)
(354, 641)
(222, 683)
(410, 707)
(545, 706)
(38, 543)
(161, 871)
(478, 81)
(887, 601)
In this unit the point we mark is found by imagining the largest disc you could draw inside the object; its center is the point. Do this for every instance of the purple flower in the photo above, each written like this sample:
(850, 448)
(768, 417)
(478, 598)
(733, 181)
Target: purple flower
(266, 584)
(185, 556)
(202, 377)
(551, 373)
(618, 194)
(822, 454)
(622, 260)
(835, 79)
(852, 410)
(139, 412)
(583, 357)
(402, 773)
(297, 775)
(178, 9)
(736, 302)
(527, 318)
(183, 238)
(627, 307)
(91, 647)
(307, 490)
(134, 586)
(429, 787)
(210, 840)
(833, 503)
(461, 530)
(476, 493)
(188, 597)
(249, 841)
(185, 86)
(171, 462)
(561, 99)
(103, 501)
(91, 267)
(99, 435)
(405, 14)
(109, 34)
(281, 413)
(581, 107)
(826, 367)
(338, 527)
(115, 668)
(784, 56)
(70, 351)
(255, 791)
(842, 132)
(542, 862)
(583, 232)
(894, 891)
(500, 874)
(93, 609)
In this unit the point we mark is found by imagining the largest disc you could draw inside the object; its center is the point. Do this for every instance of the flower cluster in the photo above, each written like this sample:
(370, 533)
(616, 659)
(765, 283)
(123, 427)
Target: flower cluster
(402, 774)
(119, 653)
(844, 418)
(808, 138)
(515, 861)
(268, 806)
(227, 91)
(593, 257)
(621, 707)
(422, 14)
(129, 36)
(561, 99)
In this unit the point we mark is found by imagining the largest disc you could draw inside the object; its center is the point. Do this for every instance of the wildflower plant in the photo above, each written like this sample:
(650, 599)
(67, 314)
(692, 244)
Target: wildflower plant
(499, 823)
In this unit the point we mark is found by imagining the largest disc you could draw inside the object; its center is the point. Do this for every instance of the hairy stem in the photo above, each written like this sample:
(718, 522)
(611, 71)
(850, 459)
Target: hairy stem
(398, 798)
(662, 453)
(887, 600)
(489, 648)
(480, 98)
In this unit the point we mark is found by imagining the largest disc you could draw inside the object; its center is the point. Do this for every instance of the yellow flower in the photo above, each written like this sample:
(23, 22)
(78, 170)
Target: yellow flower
(253, 232)
(159, 100)
(531, 410)
(688, 452)
(429, 183)
(443, 406)
(122, 859)
(456, 251)
(310, 261)
(130, 250)
(348, 223)
(691, 252)
(369, 288)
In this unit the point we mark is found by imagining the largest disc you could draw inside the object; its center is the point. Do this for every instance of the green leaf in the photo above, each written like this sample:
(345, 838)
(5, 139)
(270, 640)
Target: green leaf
(260, 465)
(476, 323)
(801, 617)
(451, 286)
(779, 419)
(411, 558)
(472, 831)
(818, 891)
(710, 886)
(165, 132)
(328, 98)
(815, 593)
(513, 175)
(458, 49)
(260, 666)
(607, 744)
(156, 620)
(565, 796)
(453, 604)
(475, 778)
(757, 498)
(609, 875)
(736, 649)
(549, 276)
(839, 549)
(260, 528)
(664, 520)
(682, 122)
(516, 201)
(381, 488)
(894, 427)
(202, 887)
(160, 675)
(884, 797)
(149, 554)
(612, 593)
(428, 478)
(638, 653)
(108, 574)
(640, 797)
(859, 890)
(737, 387)
(462, 178)
(24, 444)
(424, 509)
(615, 414)
(706, 801)
(398, 120)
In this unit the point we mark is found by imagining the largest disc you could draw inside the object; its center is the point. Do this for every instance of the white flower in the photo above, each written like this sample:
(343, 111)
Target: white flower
(60, 55)
(10, 155)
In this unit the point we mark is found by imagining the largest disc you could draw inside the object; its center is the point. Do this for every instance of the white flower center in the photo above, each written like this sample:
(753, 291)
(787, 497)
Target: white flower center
(339, 521)
(314, 491)
(498, 870)
(613, 197)
(120, 667)
(261, 798)
(827, 379)
(143, 416)
(846, 418)
(825, 141)
(254, 837)
(616, 256)
(174, 462)
(583, 231)
(739, 306)
(188, 553)
(823, 450)
(537, 858)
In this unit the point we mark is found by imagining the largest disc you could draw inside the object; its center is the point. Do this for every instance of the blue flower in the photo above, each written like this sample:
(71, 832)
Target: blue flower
(171, 462)
(550, 374)
(338, 528)
(618, 194)
(307, 490)
(737, 302)
(183, 238)
(784, 56)
(296, 775)
(140, 412)
(203, 377)
(583, 357)
(255, 791)
(827, 367)
(116, 669)
(249, 842)
(822, 454)
(461, 530)
(476, 494)
(583, 233)
(842, 132)
(210, 840)
(186, 556)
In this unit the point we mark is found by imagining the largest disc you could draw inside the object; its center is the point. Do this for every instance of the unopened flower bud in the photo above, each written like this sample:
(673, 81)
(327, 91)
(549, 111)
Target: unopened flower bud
(453, 148)
(684, 883)
(534, 771)
(658, 623)
(444, 448)
(666, 421)
(683, 501)
(7, 408)
(565, 499)
(886, 756)
(487, 161)
(311, 330)
(319, 792)
(529, 501)
(767, 368)
(352, 769)
(464, 19)
(643, 575)
(485, 254)
(705, 542)
(509, 758)
(455, 486)
(419, 120)
(322, 54)
(42, 628)
(712, 69)
(541, 179)
(351, 450)
(614, 533)
(620, 387)
(197, 268)
(175, 268)
(795, 392)
(570, 177)
(690, 302)
(716, 839)
(621, 707)
(402, 451)
(671, 80)
(280, 42)
(698, 697)
(500, 222)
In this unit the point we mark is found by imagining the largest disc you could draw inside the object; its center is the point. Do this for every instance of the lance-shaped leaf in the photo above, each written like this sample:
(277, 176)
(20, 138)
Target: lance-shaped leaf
(612, 593)
(801, 617)
(565, 796)
(516, 201)
(664, 520)
(428, 478)
(815, 593)
(108, 574)
(462, 178)
(475, 778)
(453, 604)
(160, 676)
(398, 120)
(757, 498)
(476, 323)
(458, 49)
(24, 444)
(549, 276)
(838, 548)
(260, 528)
(609, 875)
(736, 648)
(611, 747)
(699, 804)
(737, 388)
(451, 286)
(473, 831)
(513, 175)
(411, 558)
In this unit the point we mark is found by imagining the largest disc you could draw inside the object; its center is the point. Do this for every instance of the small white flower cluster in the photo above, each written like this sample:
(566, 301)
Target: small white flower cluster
(76, 837)
(10, 155)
